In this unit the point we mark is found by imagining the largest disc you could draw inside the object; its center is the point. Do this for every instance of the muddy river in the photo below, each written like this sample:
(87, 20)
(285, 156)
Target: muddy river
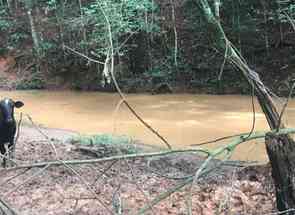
(183, 119)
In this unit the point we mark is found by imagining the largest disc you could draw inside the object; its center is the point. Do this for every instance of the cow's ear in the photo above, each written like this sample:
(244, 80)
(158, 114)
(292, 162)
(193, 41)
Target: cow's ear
(18, 104)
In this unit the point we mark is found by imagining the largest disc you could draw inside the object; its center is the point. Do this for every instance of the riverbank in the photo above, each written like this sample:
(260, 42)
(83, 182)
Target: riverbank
(82, 189)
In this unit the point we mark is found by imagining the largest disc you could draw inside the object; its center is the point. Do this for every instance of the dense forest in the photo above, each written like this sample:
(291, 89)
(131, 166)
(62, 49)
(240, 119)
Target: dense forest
(64, 44)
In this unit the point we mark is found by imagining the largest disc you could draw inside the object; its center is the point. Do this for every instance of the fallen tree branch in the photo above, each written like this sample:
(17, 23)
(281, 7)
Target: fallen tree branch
(203, 170)
(106, 159)
(237, 141)
(174, 189)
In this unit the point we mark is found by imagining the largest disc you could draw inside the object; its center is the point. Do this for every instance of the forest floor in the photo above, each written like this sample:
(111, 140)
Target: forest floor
(101, 187)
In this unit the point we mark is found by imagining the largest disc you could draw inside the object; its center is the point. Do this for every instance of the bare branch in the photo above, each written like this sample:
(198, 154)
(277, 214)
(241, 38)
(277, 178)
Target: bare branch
(82, 55)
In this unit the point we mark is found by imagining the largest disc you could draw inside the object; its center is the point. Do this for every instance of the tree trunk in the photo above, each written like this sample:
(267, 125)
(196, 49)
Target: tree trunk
(224, 45)
(175, 33)
(281, 152)
(280, 148)
(34, 32)
(9, 5)
(217, 4)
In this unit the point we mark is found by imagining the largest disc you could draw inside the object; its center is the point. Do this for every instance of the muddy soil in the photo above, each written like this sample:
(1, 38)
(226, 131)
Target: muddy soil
(127, 185)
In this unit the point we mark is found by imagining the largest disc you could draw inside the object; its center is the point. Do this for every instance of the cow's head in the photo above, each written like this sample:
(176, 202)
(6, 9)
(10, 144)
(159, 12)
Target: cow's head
(7, 109)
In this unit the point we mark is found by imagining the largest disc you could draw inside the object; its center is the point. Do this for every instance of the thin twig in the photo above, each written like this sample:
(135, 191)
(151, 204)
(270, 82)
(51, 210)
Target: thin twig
(115, 114)
(253, 111)
(43, 134)
(282, 212)
(37, 127)
(232, 136)
(224, 60)
(218, 139)
(88, 187)
(28, 179)
(5, 156)
(104, 171)
(169, 177)
(6, 208)
(62, 162)
(15, 176)
(82, 55)
(164, 195)
(285, 106)
(71, 169)
(18, 128)
(147, 198)
(290, 20)
(117, 201)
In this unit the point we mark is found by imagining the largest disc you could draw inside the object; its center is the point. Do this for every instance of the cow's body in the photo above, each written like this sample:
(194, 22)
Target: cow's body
(7, 124)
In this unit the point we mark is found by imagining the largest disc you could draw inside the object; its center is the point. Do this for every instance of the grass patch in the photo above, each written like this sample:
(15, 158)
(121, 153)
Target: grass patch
(104, 145)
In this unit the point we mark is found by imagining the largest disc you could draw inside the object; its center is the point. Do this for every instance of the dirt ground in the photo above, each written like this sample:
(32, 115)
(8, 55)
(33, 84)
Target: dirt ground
(107, 188)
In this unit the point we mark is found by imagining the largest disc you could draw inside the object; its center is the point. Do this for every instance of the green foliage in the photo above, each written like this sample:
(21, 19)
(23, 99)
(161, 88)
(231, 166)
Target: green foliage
(51, 4)
(165, 69)
(157, 72)
(35, 81)
(16, 38)
(5, 23)
(143, 38)
(120, 144)
(84, 27)
(46, 47)
(29, 3)
(285, 9)
(3, 51)
(125, 17)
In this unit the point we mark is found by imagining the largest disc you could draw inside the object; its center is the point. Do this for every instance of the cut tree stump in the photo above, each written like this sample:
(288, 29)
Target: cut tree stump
(281, 152)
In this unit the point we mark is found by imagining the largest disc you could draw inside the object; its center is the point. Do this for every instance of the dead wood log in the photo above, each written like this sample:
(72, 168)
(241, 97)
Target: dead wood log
(98, 152)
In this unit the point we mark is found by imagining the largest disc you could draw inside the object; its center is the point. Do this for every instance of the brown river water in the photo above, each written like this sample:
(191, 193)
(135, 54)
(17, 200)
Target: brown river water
(183, 119)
